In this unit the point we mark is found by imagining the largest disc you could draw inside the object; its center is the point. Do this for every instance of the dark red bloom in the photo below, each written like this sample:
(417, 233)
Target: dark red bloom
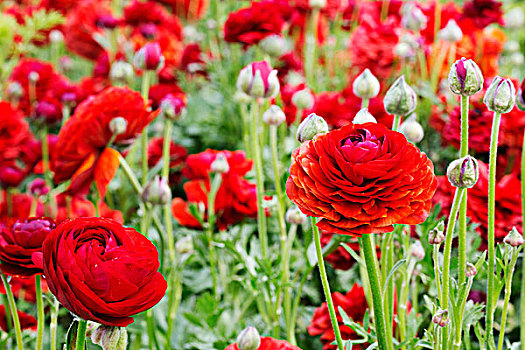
(268, 343)
(149, 13)
(353, 303)
(26, 321)
(235, 199)
(102, 271)
(192, 60)
(24, 287)
(159, 91)
(18, 209)
(483, 12)
(361, 179)
(19, 242)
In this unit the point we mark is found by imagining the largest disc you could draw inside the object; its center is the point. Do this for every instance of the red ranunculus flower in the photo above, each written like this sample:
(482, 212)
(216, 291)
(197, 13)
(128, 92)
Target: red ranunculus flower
(361, 179)
(340, 258)
(82, 154)
(26, 321)
(268, 343)
(137, 13)
(353, 303)
(19, 242)
(24, 287)
(102, 271)
(483, 12)
(236, 198)
(252, 24)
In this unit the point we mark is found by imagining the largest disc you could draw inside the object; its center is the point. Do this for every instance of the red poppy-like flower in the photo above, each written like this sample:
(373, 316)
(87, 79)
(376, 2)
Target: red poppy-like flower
(81, 23)
(102, 271)
(19, 242)
(236, 197)
(340, 258)
(159, 91)
(60, 5)
(192, 60)
(252, 24)
(189, 9)
(353, 303)
(82, 154)
(483, 12)
(24, 287)
(149, 13)
(78, 206)
(26, 321)
(268, 343)
(361, 179)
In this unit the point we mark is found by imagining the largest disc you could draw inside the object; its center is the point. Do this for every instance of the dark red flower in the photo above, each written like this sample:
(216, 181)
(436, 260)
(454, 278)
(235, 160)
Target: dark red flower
(361, 179)
(17, 207)
(483, 12)
(24, 287)
(192, 60)
(159, 91)
(77, 207)
(353, 303)
(268, 343)
(189, 9)
(236, 197)
(26, 321)
(149, 13)
(19, 242)
(82, 154)
(340, 258)
(102, 271)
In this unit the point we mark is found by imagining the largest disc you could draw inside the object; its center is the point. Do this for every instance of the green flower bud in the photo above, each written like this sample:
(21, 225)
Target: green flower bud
(465, 77)
(295, 216)
(500, 95)
(249, 339)
(366, 85)
(121, 72)
(311, 126)
(363, 116)
(451, 32)
(118, 125)
(437, 234)
(303, 99)
(273, 45)
(412, 130)
(513, 238)
(441, 318)
(400, 99)
(110, 338)
(184, 245)
(463, 172)
(220, 165)
(274, 116)
(157, 191)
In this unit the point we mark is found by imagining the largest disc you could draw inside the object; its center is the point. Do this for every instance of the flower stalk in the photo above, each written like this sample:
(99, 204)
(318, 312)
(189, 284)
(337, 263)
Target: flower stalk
(14, 312)
(81, 334)
(40, 312)
(463, 205)
(216, 183)
(508, 289)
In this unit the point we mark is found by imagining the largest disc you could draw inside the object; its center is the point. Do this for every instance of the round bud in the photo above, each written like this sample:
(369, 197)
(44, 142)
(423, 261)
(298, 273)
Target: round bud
(441, 318)
(311, 126)
(121, 72)
(118, 125)
(56, 36)
(514, 18)
(363, 116)
(366, 85)
(317, 4)
(38, 187)
(500, 95)
(295, 216)
(274, 45)
(463, 172)
(404, 50)
(451, 32)
(417, 250)
(157, 191)
(220, 165)
(241, 98)
(33, 77)
(172, 107)
(274, 116)
(149, 57)
(15, 90)
(465, 77)
(184, 245)
(437, 234)
(303, 99)
(258, 79)
(513, 238)
(249, 339)
(110, 338)
(400, 99)
(470, 270)
(412, 130)
(413, 18)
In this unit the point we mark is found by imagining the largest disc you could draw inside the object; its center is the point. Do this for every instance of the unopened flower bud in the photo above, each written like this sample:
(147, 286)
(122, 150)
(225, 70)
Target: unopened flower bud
(220, 165)
(118, 125)
(311, 126)
(451, 32)
(258, 79)
(463, 172)
(413, 18)
(303, 99)
(437, 234)
(500, 95)
(172, 107)
(149, 57)
(364, 116)
(317, 4)
(417, 250)
(412, 130)
(295, 216)
(274, 116)
(15, 90)
(471, 270)
(56, 36)
(400, 99)
(366, 85)
(404, 50)
(184, 245)
(513, 238)
(274, 45)
(465, 77)
(441, 318)
(38, 187)
(110, 338)
(514, 18)
(121, 72)
(157, 191)
(33, 77)
(249, 339)
(47, 112)
(520, 99)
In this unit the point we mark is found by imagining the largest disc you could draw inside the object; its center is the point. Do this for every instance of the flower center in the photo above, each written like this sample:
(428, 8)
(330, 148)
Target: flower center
(361, 147)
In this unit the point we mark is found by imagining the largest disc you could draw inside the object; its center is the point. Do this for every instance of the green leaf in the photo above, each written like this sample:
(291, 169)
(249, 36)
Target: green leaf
(396, 267)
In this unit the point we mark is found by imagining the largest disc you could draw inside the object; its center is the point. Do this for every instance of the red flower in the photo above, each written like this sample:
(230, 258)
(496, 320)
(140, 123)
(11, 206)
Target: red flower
(252, 24)
(483, 12)
(353, 303)
(268, 343)
(361, 179)
(19, 209)
(177, 157)
(24, 287)
(189, 9)
(235, 199)
(192, 61)
(19, 242)
(102, 271)
(80, 207)
(82, 155)
(150, 13)
(159, 91)
(26, 321)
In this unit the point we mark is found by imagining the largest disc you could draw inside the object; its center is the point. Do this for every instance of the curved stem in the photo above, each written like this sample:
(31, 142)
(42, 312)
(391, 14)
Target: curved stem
(144, 137)
(491, 207)
(261, 216)
(508, 291)
(369, 252)
(81, 335)
(14, 312)
(40, 308)
(216, 183)
(462, 236)
(326, 286)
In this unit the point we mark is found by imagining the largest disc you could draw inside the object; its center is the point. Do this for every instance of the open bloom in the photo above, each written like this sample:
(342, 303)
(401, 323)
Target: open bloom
(101, 271)
(361, 179)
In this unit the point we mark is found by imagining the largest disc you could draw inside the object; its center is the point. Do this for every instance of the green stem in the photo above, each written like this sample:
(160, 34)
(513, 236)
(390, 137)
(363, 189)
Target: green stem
(326, 286)
(150, 328)
(174, 302)
(491, 208)
(310, 45)
(40, 308)
(508, 291)
(14, 312)
(144, 137)
(396, 122)
(522, 308)
(369, 252)
(216, 183)
(364, 103)
(261, 216)
(54, 324)
(285, 280)
(295, 307)
(437, 272)
(462, 236)
(81, 335)
(165, 174)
